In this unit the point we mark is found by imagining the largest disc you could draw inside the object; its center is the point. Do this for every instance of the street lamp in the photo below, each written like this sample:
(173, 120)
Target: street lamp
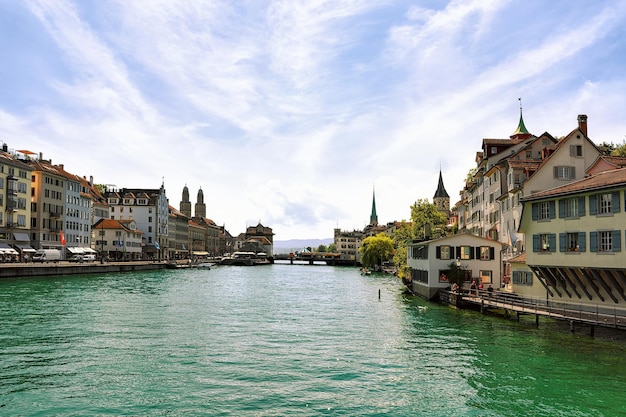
(458, 263)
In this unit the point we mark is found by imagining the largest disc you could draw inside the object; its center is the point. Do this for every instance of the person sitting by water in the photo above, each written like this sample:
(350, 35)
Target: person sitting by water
(455, 287)
(473, 288)
(490, 290)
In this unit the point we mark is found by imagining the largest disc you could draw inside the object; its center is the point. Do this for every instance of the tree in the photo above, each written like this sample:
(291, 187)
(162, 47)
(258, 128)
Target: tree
(619, 150)
(321, 248)
(427, 220)
(401, 238)
(376, 249)
(606, 148)
(332, 248)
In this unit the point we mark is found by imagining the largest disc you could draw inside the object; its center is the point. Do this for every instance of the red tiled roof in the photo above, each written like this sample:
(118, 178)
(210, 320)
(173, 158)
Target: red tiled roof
(602, 180)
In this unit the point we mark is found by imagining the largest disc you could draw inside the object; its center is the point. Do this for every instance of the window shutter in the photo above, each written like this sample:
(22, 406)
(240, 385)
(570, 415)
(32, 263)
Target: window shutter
(581, 206)
(556, 172)
(617, 240)
(572, 173)
(563, 242)
(471, 253)
(438, 252)
(593, 205)
(477, 252)
(582, 247)
(535, 243)
(561, 208)
(572, 150)
(535, 207)
(615, 203)
(552, 207)
(492, 253)
(552, 241)
(458, 252)
(593, 241)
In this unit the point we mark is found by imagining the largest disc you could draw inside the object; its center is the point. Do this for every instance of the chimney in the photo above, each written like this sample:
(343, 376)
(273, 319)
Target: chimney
(582, 123)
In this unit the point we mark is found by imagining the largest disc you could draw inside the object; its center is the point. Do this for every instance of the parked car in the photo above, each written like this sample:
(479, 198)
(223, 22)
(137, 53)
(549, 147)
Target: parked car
(76, 258)
(89, 257)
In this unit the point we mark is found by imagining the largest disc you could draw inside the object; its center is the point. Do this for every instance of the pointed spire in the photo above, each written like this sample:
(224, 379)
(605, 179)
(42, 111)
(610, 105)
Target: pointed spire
(521, 132)
(374, 216)
(441, 190)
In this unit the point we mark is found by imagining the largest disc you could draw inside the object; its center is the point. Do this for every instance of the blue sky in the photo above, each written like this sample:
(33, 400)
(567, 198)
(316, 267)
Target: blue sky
(291, 112)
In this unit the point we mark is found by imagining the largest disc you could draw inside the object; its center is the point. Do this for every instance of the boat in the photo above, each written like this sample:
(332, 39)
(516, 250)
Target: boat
(365, 271)
(203, 265)
(245, 259)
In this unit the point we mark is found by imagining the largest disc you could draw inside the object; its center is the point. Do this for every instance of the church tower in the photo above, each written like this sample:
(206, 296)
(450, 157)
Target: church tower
(373, 216)
(200, 209)
(441, 198)
(185, 204)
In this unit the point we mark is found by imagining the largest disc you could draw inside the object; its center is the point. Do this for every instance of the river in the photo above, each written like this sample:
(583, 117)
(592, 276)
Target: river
(285, 340)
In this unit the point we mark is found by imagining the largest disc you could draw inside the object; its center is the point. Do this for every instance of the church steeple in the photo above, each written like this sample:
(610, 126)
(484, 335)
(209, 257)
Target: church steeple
(185, 204)
(200, 208)
(374, 216)
(441, 198)
(521, 132)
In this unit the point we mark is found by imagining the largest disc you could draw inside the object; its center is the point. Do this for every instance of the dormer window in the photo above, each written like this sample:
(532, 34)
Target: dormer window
(128, 201)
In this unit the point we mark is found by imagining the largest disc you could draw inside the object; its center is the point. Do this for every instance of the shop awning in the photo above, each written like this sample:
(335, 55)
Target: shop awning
(89, 250)
(201, 253)
(8, 251)
(21, 237)
(75, 250)
(25, 248)
(4, 245)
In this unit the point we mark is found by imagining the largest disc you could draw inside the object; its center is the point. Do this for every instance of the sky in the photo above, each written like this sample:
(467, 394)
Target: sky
(291, 113)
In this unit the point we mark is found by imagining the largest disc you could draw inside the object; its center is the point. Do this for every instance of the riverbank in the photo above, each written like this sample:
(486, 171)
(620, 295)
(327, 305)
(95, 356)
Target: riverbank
(17, 270)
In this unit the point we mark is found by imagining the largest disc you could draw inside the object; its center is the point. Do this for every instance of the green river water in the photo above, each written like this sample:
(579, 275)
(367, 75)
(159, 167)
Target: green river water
(286, 340)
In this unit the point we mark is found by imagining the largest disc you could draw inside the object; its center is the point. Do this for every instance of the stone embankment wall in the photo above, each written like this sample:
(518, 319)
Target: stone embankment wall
(66, 268)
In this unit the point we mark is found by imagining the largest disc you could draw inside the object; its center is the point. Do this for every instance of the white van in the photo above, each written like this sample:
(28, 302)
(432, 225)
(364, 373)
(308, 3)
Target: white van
(89, 257)
(47, 255)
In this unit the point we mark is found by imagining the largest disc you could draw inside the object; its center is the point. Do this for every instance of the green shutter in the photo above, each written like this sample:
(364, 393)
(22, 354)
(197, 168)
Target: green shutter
(535, 207)
(552, 208)
(593, 241)
(561, 208)
(593, 205)
(581, 206)
(582, 247)
(438, 252)
(552, 242)
(563, 242)
(535, 243)
(615, 203)
(617, 240)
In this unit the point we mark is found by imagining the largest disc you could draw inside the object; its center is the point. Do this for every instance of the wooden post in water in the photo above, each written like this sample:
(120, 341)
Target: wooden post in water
(379, 293)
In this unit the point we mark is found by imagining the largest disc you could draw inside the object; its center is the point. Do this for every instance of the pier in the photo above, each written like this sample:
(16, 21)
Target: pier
(510, 303)
(30, 269)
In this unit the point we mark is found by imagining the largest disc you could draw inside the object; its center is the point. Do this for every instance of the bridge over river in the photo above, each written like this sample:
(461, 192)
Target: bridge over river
(312, 258)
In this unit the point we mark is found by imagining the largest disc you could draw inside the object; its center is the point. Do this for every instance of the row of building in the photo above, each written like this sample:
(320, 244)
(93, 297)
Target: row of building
(45, 207)
(538, 217)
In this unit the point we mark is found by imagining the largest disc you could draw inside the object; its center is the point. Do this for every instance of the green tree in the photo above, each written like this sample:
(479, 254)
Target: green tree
(321, 248)
(376, 249)
(402, 236)
(427, 221)
(606, 148)
(619, 150)
(332, 248)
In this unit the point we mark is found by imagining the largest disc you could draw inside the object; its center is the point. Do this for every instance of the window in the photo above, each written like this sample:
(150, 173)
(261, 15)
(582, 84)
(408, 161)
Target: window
(544, 242)
(544, 210)
(573, 242)
(485, 276)
(522, 278)
(604, 203)
(444, 252)
(576, 150)
(572, 207)
(564, 172)
(466, 252)
(485, 253)
(605, 241)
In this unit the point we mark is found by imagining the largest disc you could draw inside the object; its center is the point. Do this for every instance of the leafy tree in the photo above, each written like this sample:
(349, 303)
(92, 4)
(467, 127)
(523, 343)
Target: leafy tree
(332, 248)
(620, 150)
(401, 238)
(376, 249)
(606, 148)
(321, 248)
(427, 221)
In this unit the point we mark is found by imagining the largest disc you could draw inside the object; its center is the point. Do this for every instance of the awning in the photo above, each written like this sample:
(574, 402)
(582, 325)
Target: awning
(21, 237)
(89, 250)
(201, 253)
(4, 246)
(25, 248)
(8, 251)
(75, 249)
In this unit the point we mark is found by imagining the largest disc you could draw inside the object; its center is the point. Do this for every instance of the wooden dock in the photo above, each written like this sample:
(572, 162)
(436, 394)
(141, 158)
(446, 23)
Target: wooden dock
(510, 303)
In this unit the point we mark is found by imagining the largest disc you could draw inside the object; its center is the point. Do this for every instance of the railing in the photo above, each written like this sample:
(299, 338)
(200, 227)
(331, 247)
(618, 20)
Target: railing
(611, 316)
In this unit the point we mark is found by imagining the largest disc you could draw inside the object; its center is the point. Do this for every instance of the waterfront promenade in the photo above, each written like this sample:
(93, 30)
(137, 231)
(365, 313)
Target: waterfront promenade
(31, 269)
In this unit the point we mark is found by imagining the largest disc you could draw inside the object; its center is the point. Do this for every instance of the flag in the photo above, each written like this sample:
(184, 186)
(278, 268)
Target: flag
(156, 245)
(62, 238)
